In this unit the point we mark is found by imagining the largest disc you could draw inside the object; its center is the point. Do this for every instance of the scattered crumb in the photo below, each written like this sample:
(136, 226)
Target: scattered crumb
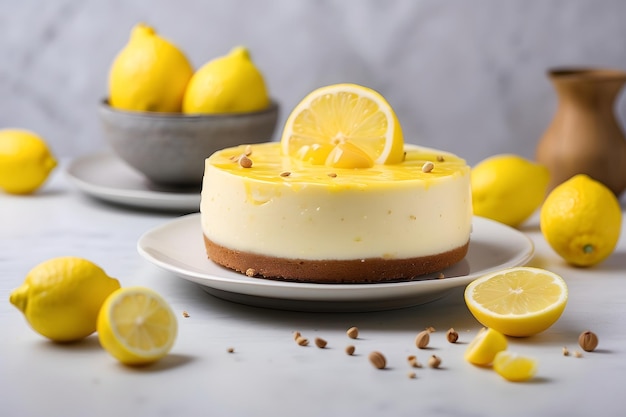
(250, 272)
(185, 314)
(230, 350)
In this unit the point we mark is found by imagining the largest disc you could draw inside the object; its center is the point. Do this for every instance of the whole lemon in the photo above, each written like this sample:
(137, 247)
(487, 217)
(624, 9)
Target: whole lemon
(25, 161)
(228, 84)
(581, 220)
(61, 297)
(149, 74)
(508, 188)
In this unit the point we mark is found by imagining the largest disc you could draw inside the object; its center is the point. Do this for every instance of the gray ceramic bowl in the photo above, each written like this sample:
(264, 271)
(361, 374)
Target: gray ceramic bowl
(170, 149)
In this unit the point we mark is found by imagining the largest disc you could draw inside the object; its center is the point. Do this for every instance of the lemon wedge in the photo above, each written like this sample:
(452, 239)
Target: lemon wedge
(485, 346)
(514, 367)
(136, 326)
(519, 301)
(343, 126)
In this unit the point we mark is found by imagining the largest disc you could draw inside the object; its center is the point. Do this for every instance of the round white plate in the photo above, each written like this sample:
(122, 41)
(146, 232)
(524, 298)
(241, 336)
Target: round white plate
(178, 247)
(106, 177)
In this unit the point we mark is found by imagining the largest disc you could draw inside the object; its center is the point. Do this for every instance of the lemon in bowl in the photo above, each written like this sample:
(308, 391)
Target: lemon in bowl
(163, 119)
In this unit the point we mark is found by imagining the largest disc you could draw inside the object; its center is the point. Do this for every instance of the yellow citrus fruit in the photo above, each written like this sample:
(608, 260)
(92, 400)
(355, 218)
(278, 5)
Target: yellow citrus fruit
(343, 126)
(25, 161)
(61, 297)
(519, 301)
(136, 326)
(149, 74)
(484, 347)
(514, 367)
(508, 188)
(227, 84)
(581, 220)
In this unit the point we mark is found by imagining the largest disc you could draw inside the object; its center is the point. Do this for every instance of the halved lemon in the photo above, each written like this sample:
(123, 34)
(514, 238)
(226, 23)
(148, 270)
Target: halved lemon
(485, 346)
(514, 367)
(344, 126)
(136, 326)
(519, 301)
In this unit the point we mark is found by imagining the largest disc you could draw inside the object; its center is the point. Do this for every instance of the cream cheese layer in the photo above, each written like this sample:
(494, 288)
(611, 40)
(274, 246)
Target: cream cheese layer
(285, 208)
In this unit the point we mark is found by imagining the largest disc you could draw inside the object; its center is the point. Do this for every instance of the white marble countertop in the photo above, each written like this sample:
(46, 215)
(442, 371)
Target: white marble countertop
(269, 374)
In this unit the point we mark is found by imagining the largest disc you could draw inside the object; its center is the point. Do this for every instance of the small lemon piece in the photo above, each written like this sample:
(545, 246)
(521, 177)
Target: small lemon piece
(344, 125)
(61, 297)
(581, 220)
(149, 74)
(483, 348)
(519, 301)
(508, 188)
(227, 84)
(136, 326)
(25, 161)
(514, 367)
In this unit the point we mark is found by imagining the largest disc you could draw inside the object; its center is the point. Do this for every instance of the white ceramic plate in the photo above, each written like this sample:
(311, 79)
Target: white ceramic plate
(178, 247)
(106, 177)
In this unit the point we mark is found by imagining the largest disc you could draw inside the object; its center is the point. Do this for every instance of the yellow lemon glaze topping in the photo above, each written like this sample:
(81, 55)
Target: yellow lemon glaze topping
(269, 164)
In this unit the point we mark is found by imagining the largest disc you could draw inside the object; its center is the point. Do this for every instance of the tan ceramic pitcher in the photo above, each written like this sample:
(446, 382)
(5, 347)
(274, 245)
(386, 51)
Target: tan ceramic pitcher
(584, 136)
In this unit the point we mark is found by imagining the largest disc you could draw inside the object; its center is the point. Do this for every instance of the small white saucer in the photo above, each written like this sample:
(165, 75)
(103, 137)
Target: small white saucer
(106, 177)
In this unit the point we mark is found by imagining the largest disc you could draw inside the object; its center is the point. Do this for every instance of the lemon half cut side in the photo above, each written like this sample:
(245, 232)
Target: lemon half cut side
(137, 326)
(519, 301)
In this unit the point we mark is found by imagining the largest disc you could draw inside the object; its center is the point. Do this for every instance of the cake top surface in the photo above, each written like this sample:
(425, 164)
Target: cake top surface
(268, 164)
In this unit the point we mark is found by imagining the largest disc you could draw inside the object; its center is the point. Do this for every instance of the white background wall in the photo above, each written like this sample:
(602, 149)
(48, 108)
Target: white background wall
(466, 76)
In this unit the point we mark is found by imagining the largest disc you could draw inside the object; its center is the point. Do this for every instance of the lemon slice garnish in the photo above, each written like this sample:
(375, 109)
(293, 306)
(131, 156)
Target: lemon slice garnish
(343, 126)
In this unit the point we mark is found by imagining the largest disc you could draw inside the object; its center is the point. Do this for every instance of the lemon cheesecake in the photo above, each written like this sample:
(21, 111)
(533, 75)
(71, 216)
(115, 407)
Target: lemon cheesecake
(355, 205)
(280, 219)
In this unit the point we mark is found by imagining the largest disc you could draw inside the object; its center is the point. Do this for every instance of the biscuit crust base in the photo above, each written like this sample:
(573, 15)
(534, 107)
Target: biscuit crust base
(357, 271)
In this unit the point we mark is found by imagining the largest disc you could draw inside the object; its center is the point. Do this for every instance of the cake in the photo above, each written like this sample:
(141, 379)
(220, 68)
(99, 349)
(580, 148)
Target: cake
(340, 199)
(282, 219)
